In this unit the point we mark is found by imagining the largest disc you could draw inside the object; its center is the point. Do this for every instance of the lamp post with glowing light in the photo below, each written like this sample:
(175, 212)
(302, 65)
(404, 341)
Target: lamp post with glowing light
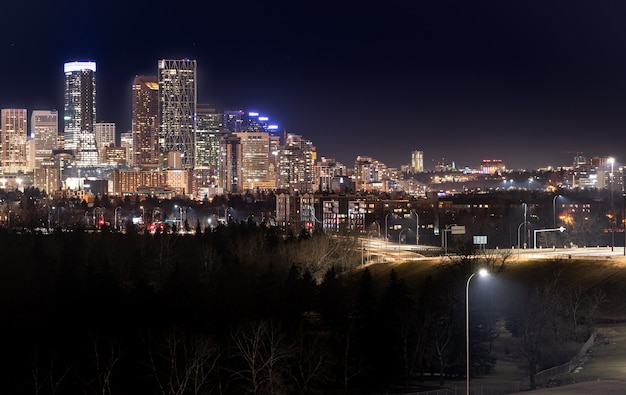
(400, 240)
(482, 273)
(611, 161)
(417, 228)
(386, 229)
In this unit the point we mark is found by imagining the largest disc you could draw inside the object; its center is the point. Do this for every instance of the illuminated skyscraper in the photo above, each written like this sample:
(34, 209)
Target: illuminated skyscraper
(209, 126)
(177, 109)
(257, 170)
(230, 164)
(295, 168)
(80, 111)
(417, 161)
(44, 127)
(105, 134)
(145, 119)
(14, 157)
(234, 120)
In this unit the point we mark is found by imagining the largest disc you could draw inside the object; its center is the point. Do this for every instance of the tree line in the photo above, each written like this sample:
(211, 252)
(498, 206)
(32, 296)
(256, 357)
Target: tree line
(241, 309)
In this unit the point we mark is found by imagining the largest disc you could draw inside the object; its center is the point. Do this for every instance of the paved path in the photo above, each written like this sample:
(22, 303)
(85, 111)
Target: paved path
(603, 370)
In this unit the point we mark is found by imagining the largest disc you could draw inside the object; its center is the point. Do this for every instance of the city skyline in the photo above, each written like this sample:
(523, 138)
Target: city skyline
(530, 84)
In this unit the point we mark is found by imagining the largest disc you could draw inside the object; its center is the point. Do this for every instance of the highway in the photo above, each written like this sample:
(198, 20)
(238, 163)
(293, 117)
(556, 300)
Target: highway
(376, 250)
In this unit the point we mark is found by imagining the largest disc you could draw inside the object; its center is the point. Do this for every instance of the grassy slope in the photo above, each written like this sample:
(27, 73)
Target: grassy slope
(587, 273)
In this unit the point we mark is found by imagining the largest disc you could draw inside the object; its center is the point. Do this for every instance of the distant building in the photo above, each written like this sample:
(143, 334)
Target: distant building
(44, 129)
(114, 156)
(104, 134)
(209, 126)
(492, 166)
(145, 102)
(80, 111)
(126, 141)
(230, 164)
(177, 108)
(296, 165)
(325, 170)
(234, 121)
(13, 156)
(257, 170)
(417, 161)
(129, 182)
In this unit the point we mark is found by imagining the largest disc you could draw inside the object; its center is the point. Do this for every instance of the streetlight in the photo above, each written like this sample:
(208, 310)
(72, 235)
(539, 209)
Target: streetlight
(611, 161)
(482, 273)
(559, 229)
(400, 239)
(554, 207)
(417, 228)
(518, 238)
(386, 228)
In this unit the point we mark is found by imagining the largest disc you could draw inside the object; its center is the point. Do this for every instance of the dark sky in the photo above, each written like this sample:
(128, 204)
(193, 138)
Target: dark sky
(528, 82)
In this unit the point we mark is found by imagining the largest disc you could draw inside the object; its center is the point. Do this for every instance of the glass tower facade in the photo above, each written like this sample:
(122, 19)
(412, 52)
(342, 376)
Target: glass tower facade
(177, 109)
(80, 111)
(145, 92)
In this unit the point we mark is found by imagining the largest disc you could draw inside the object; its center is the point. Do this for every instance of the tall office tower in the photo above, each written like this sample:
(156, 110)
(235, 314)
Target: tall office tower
(105, 134)
(126, 141)
(234, 121)
(14, 156)
(256, 161)
(257, 123)
(209, 126)
(296, 163)
(80, 111)
(145, 119)
(177, 109)
(230, 164)
(44, 129)
(417, 161)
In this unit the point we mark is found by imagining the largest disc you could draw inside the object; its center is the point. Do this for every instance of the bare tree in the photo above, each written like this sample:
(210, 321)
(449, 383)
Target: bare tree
(48, 377)
(263, 350)
(310, 363)
(183, 363)
(106, 354)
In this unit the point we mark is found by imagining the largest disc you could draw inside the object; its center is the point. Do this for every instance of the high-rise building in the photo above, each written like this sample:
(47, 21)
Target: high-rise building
(256, 161)
(417, 161)
(14, 157)
(296, 165)
(257, 123)
(80, 111)
(126, 141)
(44, 130)
(230, 164)
(234, 121)
(209, 126)
(145, 119)
(177, 109)
(105, 134)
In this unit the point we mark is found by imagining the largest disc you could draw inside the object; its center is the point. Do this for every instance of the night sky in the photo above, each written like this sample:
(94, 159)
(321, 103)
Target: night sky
(530, 83)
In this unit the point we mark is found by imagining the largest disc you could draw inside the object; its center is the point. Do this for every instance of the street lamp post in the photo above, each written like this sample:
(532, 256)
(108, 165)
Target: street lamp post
(482, 273)
(417, 228)
(611, 161)
(400, 240)
(386, 229)
(554, 208)
(559, 229)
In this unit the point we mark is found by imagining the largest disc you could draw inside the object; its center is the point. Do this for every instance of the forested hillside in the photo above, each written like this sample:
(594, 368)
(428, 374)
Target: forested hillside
(239, 309)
